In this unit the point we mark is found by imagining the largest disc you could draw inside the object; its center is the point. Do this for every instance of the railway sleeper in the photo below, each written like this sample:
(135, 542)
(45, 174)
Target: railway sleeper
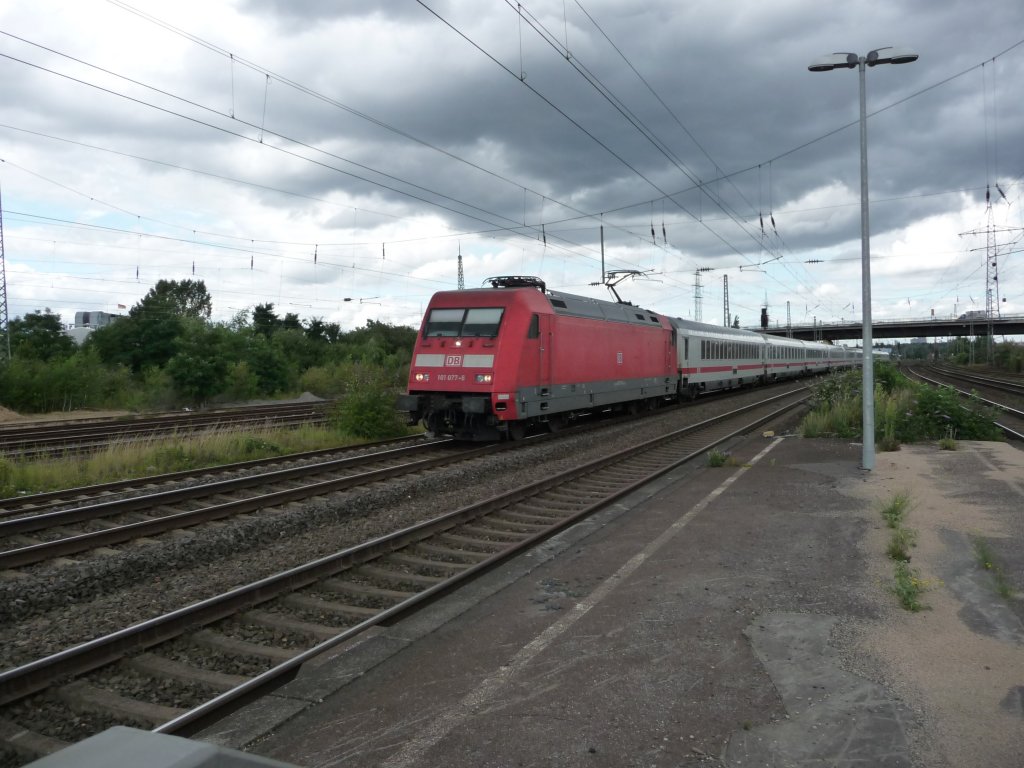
(556, 496)
(208, 638)
(573, 496)
(491, 535)
(160, 666)
(522, 514)
(494, 522)
(364, 590)
(389, 576)
(488, 545)
(555, 506)
(28, 743)
(284, 623)
(404, 559)
(453, 555)
(85, 697)
(602, 487)
(319, 605)
(506, 520)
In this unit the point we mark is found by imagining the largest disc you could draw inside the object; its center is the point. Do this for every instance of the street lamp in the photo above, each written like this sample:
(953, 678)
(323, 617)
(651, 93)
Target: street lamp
(887, 55)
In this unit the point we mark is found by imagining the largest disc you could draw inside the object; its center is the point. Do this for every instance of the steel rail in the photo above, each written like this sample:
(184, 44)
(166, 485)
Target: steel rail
(1001, 385)
(26, 504)
(34, 676)
(48, 550)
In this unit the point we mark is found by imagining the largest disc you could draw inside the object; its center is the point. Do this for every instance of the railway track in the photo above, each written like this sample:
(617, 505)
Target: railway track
(47, 439)
(1008, 394)
(1006, 383)
(181, 670)
(45, 536)
(50, 501)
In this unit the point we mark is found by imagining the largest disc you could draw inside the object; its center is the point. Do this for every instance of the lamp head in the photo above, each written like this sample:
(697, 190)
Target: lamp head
(890, 55)
(887, 55)
(834, 61)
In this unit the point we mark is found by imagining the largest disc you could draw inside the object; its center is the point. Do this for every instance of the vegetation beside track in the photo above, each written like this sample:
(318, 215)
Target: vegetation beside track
(905, 411)
(126, 459)
(166, 353)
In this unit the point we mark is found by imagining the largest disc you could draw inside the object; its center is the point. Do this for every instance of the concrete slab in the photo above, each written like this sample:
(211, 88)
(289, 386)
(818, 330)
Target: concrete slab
(833, 718)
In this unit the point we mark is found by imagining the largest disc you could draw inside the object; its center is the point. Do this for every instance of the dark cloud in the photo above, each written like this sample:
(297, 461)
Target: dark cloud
(700, 118)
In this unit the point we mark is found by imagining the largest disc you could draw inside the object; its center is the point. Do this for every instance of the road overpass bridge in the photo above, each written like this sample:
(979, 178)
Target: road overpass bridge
(928, 328)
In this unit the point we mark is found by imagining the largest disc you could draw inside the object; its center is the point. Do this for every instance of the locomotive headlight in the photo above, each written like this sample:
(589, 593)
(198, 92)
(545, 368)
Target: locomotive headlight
(422, 377)
(484, 378)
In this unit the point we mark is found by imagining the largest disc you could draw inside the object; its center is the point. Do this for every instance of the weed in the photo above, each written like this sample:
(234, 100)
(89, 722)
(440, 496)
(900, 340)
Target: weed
(889, 441)
(6, 478)
(905, 412)
(948, 442)
(987, 561)
(900, 542)
(895, 510)
(909, 587)
(717, 458)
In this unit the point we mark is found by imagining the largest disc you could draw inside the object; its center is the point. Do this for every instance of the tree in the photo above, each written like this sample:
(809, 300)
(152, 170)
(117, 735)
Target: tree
(188, 298)
(316, 330)
(264, 321)
(148, 336)
(199, 367)
(40, 336)
(268, 365)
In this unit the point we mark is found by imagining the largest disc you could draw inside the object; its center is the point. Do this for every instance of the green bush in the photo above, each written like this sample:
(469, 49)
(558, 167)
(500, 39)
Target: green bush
(905, 412)
(367, 409)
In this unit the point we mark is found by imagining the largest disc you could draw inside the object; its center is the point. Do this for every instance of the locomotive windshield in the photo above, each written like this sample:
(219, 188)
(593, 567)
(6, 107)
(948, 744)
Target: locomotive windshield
(477, 321)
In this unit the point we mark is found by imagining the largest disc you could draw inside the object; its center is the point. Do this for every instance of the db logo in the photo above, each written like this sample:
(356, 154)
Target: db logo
(453, 360)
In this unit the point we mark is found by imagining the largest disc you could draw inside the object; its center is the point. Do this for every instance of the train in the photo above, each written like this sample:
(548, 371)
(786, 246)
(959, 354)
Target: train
(496, 362)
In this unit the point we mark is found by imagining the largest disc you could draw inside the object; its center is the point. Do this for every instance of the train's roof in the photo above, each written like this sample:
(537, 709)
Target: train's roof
(714, 330)
(583, 306)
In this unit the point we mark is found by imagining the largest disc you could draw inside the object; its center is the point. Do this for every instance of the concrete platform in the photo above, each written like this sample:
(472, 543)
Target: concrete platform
(703, 621)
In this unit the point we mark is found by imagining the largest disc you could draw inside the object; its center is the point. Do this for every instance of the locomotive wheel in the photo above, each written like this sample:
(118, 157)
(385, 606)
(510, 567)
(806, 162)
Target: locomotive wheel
(516, 430)
(555, 423)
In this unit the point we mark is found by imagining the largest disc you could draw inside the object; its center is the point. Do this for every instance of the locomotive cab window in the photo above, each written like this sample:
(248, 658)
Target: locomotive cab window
(478, 321)
(482, 321)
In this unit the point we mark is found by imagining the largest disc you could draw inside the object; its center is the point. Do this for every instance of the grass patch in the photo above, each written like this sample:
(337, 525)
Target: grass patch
(905, 411)
(987, 560)
(909, 587)
(896, 510)
(718, 458)
(127, 459)
(900, 542)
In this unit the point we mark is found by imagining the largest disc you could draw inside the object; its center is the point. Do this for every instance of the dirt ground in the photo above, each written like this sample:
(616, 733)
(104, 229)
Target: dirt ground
(7, 416)
(962, 659)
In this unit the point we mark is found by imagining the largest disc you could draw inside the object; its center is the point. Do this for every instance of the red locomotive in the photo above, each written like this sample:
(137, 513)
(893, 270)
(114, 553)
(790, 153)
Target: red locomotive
(490, 363)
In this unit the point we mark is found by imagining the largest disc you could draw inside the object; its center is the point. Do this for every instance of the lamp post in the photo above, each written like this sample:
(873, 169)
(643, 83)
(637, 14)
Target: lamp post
(849, 61)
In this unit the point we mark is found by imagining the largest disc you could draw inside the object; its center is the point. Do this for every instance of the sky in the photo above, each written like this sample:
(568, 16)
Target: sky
(337, 159)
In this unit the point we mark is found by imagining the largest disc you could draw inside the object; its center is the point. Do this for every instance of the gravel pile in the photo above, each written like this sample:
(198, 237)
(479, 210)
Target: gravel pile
(46, 609)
